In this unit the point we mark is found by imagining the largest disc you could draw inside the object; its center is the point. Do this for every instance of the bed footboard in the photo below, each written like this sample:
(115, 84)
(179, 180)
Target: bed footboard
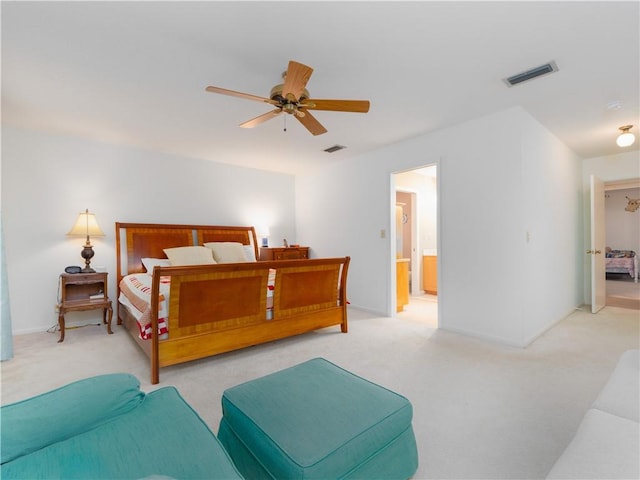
(220, 308)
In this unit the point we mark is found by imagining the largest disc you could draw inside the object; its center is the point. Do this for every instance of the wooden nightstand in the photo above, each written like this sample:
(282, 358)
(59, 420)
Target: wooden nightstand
(284, 253)
(84, 291)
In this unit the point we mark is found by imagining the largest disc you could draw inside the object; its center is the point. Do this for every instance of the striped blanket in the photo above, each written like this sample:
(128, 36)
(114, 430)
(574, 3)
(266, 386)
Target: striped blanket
(135, 294)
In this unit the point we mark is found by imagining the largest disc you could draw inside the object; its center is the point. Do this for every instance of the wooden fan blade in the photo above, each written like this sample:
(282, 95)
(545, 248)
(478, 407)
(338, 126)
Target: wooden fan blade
(296, 80)
(357, 106)
(311, 124)
(261, 118)
(246, 96)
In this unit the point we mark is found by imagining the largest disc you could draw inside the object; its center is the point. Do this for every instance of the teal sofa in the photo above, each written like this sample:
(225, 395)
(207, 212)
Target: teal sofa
(104, 427)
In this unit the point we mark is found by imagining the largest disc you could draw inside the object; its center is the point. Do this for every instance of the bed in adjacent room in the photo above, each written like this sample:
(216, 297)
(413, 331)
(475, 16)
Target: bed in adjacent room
(621, 261)
(212, 296)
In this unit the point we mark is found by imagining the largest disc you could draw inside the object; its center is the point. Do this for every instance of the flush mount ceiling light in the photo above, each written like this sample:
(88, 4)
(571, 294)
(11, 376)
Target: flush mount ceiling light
(626, 138)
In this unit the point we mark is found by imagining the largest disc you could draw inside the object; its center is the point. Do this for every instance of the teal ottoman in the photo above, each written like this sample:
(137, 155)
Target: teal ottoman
(317, 420)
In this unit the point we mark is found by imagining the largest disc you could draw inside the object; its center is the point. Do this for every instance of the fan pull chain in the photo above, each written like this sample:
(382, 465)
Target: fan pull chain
(285, 123)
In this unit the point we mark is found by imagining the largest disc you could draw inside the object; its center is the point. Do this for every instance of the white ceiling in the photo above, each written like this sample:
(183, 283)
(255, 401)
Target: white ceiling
(135, 73)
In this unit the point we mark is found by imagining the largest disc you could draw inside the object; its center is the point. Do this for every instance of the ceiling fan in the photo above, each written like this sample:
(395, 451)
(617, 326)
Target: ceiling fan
(293, 98)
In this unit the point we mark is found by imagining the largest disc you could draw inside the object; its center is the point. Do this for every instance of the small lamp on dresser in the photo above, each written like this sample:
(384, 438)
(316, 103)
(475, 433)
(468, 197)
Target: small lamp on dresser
(264, 234)
(86, 225)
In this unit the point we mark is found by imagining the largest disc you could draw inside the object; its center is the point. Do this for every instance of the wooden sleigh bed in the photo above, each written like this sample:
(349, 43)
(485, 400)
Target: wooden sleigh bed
(212, 309)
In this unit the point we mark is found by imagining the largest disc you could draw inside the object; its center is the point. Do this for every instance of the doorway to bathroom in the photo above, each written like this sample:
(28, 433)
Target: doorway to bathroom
(415, 246)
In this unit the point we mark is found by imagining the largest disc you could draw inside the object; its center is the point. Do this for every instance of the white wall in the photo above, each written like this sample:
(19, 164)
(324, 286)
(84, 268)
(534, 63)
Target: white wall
(622, 226)
(486, 262)
(341, 210)
(623, 166)
(553, 226)
(47, 180)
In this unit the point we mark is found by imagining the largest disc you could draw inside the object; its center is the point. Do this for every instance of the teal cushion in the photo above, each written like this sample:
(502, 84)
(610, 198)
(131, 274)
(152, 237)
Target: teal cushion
(162, 438)
(39, 421)
(316, 420)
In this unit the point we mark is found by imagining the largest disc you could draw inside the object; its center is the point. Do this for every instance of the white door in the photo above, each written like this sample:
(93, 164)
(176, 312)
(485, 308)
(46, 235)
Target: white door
(597, 247)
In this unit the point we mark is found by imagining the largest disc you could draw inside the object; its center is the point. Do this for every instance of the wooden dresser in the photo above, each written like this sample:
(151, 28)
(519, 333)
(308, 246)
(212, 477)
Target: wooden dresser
(430, 274)
(402, 283)
(283, 253)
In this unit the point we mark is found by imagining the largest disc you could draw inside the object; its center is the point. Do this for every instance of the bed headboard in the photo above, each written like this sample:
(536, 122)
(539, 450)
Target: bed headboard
(135, 241)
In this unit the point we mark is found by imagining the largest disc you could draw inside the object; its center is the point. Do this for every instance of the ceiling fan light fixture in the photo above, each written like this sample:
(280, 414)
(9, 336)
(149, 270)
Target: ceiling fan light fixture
(289, 108)
(276, 93)
(291, 97)
(626, 138)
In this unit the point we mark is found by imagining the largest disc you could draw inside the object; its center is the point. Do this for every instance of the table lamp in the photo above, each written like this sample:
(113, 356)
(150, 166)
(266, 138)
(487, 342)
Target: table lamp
(86, 225)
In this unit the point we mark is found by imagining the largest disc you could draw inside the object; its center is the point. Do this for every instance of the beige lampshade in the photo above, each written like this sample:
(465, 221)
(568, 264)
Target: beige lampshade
(86, 225)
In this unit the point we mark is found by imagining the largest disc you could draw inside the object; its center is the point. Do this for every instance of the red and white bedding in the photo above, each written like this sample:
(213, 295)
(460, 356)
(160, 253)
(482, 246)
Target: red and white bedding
(622, 265)
(135, 294)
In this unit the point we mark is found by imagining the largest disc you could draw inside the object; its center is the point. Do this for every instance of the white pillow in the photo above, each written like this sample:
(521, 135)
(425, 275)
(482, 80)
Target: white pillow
(250, 253)
(180, 256)
(227, 252)
(149, 263)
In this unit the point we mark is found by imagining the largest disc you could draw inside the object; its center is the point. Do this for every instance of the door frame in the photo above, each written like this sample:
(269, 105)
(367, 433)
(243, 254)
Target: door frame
(597, 242)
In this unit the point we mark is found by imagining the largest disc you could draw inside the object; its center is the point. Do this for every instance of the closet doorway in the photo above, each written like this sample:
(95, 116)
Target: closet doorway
(414, 244)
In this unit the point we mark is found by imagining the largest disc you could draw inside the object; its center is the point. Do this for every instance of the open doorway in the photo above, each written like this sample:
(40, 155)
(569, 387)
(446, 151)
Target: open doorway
(414, 244)
(622, 231)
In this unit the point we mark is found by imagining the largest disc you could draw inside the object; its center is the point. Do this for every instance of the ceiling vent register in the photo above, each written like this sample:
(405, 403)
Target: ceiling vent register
(531, 74)
(335, 148)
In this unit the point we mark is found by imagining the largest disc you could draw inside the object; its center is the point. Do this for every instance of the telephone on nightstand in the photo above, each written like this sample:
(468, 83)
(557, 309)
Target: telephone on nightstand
(73, 269)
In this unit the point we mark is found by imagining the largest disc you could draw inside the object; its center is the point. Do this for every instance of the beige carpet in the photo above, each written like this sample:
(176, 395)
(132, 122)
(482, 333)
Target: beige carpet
(481, 410)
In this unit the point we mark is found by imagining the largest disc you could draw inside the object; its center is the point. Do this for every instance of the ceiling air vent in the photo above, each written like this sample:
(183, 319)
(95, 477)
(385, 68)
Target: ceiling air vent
(531, 74)
(335, 148)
